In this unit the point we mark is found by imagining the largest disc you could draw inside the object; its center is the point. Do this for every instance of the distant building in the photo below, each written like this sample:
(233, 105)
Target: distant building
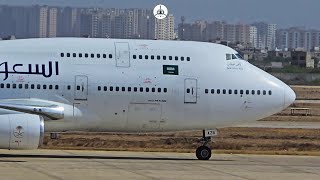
(298, 38)
(266, 34)
(52, 22)
(302, 59)
(254, 37)
(164, 28)
(192, 32)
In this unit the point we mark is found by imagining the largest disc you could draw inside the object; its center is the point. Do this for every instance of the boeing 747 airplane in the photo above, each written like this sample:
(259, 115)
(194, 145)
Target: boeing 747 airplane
(119, 85)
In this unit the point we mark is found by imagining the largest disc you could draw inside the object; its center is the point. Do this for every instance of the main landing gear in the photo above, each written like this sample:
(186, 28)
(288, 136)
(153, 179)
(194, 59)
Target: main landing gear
(204, 152)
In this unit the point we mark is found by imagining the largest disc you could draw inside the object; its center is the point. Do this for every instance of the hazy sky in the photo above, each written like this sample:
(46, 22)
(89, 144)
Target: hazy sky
(283, 12)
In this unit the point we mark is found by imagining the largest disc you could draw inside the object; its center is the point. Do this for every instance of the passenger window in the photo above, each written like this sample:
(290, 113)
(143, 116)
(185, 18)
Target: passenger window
(170, 58)
(224, 91)
(230, 91)
(176, 58)
(270, 92)
(26, 86)
(159, 90)
(38, 86)
(158, 57)
(68, 54)
(44, 86)
(140, 56)
(129, 89)
(188, 90)
(104, 56)
(69, 87)
(117, 88)
(111, 88)
(212, 91)
(50, 86)
(62, 54)
(32, 86)
(20, 86)
(258, 92)
(264, 92)
(152, 57)
(8, 85)
(218, 91)
(141, 89)
(164, 57)
(2, 85)
(99, 88)
(146, 57)
(188, 58)
(105, 88)
(153, 89)
(206, 91)
(86, 55)
(182, 58)
(147, 89)
(110, 56)
(78, 88)
(92, 55)
(135, 89)
(241, 91)
(80, 55)
(134, 57)
(98, 55)
(123, 89)
(56, 87)
(74, 55)
(14, 86)
(253, 92)
(247, 92)
(235, 91)
(165, 90)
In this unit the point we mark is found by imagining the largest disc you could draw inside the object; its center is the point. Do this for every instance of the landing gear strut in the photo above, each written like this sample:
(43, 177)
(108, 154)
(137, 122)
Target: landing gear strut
(204, 152)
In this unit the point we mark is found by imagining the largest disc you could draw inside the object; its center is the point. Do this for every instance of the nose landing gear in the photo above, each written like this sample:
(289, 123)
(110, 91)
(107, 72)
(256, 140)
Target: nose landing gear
(204, 152)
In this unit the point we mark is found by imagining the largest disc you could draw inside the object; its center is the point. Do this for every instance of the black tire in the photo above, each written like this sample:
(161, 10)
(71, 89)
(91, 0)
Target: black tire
(203, 153)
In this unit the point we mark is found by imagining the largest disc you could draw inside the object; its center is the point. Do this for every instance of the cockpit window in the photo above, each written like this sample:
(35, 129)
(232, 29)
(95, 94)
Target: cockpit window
(233, 56)
(239, 56)
(229, 57)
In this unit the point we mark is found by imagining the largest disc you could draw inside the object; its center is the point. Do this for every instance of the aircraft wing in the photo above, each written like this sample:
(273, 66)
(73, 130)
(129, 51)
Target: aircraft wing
(48, 109)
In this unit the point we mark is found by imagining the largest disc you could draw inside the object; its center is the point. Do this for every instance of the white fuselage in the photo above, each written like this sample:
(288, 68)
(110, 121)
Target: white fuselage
(115, 85)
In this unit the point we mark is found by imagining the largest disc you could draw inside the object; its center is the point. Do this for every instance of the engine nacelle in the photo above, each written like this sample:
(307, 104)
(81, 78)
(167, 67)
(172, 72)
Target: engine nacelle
(21, 131)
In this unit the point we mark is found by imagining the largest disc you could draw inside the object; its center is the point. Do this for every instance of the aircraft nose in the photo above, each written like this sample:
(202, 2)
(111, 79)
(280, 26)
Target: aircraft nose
(289, 96)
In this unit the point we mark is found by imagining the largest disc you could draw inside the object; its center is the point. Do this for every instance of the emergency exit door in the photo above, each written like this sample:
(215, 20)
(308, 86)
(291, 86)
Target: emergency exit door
(190, 91)
(122, 54)
(81, 88)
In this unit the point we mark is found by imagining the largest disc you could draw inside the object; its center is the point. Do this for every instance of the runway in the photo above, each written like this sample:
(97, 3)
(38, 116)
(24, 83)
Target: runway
(60, 164)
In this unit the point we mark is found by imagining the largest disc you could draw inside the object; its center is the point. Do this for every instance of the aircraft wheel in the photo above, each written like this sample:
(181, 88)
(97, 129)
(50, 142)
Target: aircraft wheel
(203, 153)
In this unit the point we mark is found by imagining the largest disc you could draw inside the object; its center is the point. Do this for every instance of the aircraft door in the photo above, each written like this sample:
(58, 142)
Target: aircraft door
(190, 91)
(81, 88)
(122, 54)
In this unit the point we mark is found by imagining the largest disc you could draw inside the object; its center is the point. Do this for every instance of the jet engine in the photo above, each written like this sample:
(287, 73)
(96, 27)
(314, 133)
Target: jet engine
(21, 131)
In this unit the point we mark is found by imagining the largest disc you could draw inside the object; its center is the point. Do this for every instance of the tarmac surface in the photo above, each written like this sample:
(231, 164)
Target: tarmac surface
(61, 164)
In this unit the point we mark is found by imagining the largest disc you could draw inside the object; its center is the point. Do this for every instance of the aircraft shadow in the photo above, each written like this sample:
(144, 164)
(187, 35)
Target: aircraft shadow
(97, 157)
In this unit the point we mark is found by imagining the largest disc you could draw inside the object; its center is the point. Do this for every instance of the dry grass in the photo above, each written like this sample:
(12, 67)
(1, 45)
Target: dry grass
(230, 140)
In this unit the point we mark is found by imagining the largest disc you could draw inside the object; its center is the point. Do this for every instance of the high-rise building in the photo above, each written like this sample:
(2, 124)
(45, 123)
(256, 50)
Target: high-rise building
(164, 28)
(192, 32)
(298, 38)
(68, 22)
(266, 35)
(243, 33)
(214, 31)
(52, 22)
(253, 36)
